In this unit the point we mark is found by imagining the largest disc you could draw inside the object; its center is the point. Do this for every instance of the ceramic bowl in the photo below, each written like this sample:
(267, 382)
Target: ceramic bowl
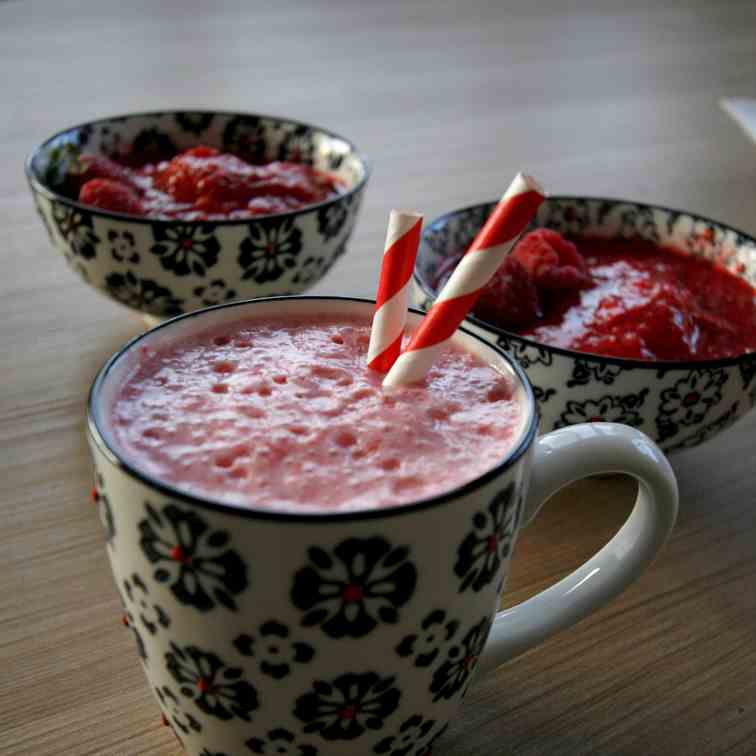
(166, 267)
(678, 404)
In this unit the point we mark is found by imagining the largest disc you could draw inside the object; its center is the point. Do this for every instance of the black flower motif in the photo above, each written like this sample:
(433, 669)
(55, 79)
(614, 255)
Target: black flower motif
(344, 708)
(333, 217)
(297, 145)
(270, 249)
(76, 227)
(43, 218)
(638, 221)
(691, 398)
(312, 270)
(152, 616)
(142, 294)
(123, 246)
(153, 145)
(273, 649)
(465, 226)
(426, 645)
(130, 623)
(245, 136)
(542, 395)
(186, 249)
(280, 742)
(411, 739)
(526, 355)
(454, 673)
(215, 688)
(609, 409)
(747, 368)
(584, 372)
(569, 217)
(483, 549)
(363, 582)
(216, 292)
(708, 430)
(196, 560)
(194, 123)
(174, 714)
(100, 498)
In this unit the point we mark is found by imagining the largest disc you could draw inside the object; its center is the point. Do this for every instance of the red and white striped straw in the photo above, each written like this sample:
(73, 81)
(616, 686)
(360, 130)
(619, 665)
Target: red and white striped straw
(484, 257)
(402, 240)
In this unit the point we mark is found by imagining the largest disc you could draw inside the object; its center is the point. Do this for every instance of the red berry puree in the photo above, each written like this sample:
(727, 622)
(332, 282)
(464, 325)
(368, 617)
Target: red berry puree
(283, 414)
(620, 298)
(202, 183)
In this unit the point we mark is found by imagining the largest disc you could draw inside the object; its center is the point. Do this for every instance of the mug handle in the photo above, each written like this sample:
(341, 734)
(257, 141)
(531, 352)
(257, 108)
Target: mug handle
(560, 458)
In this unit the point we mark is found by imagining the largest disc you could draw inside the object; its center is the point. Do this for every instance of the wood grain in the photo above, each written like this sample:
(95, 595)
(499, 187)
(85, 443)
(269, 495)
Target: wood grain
(449, 99)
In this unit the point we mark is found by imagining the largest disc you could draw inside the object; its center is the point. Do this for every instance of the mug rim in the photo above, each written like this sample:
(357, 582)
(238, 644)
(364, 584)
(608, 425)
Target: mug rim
(118, 459)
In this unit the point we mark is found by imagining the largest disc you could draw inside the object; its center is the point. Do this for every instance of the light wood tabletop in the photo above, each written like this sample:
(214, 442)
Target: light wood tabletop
(449, 100)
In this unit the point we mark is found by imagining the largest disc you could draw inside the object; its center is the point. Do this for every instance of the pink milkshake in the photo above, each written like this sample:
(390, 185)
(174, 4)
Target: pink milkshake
(282, 413)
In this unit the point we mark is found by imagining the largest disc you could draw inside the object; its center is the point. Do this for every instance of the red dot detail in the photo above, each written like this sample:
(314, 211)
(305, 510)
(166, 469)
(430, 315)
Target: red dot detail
(351, 593)
(94, 495)
(164, 720)
(203, 685)
(349, 712)
(492, 544)
(125, 621)
(179, 555)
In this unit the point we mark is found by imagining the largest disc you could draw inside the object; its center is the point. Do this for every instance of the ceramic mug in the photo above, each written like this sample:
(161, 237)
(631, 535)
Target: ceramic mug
(349, 633)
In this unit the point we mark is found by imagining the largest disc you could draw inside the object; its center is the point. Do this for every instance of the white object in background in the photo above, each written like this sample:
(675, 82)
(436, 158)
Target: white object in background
(743, 112)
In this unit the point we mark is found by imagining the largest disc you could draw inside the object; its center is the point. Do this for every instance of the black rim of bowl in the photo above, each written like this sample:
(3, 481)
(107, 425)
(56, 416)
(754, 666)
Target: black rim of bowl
(39, 185)
(660, 365)
(118, 458)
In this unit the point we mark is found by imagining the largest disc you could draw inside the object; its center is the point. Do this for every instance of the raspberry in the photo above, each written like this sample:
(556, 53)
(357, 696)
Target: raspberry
(96, 166)
(510, 300)
(554, 263)
(111, 195)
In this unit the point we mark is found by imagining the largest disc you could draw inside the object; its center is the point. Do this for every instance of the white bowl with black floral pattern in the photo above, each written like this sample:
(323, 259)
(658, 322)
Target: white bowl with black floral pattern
(166, 267)
(678, 404)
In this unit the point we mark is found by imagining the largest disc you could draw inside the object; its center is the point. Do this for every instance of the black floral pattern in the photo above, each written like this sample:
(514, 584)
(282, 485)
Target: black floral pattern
(281, 743)
(636, 220)
(312, 270)
(203, 571)
(348, 706)
(245, 136)
(216, 689)
(174, 714)
(689, 400)
(584, 373)
(153, 145)
(123, 246)
(272, 647)
(216, 292)
(425, 645)
(152, 616)
(454, 673)
(542, 395)
(271, 248)
(608, 409)
(104, 509)
(194, 123)
(481, 553)
(186, 248)
(364, 581)
(77, 228)
(415, 737)
(130, 623)
(297, 145)
(43, 218)
(143, 294)
(571, 217)
(526, 355)
(747, 370)
(333, 217)
(707, 431)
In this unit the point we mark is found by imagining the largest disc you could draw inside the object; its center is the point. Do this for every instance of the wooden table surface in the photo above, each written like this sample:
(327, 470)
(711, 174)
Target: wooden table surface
(449, 99)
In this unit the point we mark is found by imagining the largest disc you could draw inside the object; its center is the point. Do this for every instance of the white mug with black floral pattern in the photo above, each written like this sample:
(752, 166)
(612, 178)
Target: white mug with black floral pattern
(265, 632)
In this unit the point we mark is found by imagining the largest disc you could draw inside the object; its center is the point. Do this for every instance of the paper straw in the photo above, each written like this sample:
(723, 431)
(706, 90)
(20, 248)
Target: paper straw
(476, 268)
(402, 240)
